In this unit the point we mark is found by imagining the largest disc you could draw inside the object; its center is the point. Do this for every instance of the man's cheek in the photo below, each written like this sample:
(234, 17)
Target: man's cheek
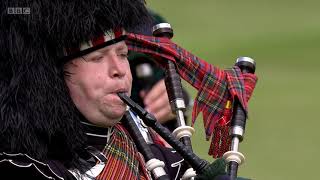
(130, 83)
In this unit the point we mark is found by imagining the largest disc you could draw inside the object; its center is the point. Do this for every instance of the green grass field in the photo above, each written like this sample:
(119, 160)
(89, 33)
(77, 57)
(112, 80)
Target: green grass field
(281, 140)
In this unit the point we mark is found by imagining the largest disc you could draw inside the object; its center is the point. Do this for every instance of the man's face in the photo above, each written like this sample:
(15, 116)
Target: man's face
(95, 80)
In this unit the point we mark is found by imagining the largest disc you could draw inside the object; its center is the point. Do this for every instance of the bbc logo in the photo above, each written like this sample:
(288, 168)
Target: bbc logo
(18, 10)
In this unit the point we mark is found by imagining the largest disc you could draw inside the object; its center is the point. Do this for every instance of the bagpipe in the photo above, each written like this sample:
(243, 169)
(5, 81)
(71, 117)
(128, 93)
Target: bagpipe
(222, 98)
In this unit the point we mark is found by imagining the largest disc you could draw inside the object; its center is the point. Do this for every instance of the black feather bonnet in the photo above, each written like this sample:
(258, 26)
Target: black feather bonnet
(37, 115)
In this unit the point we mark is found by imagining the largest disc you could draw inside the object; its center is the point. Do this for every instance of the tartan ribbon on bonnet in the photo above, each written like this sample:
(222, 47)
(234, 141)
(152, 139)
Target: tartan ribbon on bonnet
(216, 88)
(107, 38)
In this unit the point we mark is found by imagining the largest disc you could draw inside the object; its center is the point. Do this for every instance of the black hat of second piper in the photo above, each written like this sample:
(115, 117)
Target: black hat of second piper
(37, 115)
(138, 61)
(146, 29)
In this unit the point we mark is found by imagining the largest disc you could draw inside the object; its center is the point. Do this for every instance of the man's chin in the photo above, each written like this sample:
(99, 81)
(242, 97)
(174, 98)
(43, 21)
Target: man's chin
(109, 122)
(113, 123)
(115, 117)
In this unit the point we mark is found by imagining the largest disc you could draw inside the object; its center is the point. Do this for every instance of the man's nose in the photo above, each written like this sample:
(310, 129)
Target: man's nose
(117, 68)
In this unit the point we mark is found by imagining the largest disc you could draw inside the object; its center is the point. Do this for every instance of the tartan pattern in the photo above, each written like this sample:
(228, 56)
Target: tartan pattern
(123, 159)
(215, 86)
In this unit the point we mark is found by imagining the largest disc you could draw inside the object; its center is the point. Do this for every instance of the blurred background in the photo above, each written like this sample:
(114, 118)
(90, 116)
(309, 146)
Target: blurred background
(282, 133)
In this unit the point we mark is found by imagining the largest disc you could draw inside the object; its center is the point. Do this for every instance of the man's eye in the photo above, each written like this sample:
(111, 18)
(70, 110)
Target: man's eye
(97, 58)
(124, 55)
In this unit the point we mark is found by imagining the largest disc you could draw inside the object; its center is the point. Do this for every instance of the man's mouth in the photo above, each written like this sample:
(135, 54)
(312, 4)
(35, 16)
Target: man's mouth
(122, 90)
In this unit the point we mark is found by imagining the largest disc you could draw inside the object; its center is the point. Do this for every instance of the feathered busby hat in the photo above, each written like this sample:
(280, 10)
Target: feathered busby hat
(37, 115)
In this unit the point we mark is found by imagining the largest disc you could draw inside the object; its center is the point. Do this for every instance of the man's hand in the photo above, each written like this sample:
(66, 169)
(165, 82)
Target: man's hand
(156, 102)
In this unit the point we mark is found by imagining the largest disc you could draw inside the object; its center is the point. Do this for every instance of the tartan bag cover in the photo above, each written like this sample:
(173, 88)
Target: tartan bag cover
(216, 88)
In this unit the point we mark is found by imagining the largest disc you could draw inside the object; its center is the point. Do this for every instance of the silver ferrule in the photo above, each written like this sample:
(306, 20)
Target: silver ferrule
(237, 131)
(177, 104)
(235, 144)
(180, 118)
(246, 59)
(161, 25)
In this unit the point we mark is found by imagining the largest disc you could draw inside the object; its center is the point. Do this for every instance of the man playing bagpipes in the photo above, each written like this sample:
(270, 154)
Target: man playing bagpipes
(57, 92)
(55, 106)
(62, 68)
